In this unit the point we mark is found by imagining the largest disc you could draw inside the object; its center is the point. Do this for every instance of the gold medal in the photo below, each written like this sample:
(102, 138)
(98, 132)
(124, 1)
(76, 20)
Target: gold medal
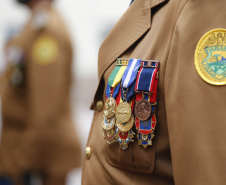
(210, 57)
(108, 123)
(110, 106)
(109, 135)
(125, 126)
(123, 112)
(145, 139)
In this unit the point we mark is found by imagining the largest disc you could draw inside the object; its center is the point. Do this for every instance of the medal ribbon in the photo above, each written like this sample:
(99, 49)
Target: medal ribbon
(112, 91)
(131, 72)
(116, 75)
(147, 82)
(114, 80)
(128, 78)
(146, 78)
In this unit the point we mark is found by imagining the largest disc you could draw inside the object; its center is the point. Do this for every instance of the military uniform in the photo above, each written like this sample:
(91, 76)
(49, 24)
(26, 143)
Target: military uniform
(38, 134)
(188, 148)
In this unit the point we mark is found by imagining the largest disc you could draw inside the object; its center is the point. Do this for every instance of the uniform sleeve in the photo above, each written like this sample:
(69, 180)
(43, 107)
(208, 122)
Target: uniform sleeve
(48, 78)
(195, 108)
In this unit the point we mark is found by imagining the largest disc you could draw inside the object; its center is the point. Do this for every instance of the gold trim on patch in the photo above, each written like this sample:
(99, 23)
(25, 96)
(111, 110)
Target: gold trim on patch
(210, 57)
(45, 50)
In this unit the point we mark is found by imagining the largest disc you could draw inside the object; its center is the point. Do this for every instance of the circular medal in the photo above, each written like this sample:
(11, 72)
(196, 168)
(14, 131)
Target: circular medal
(110, 106)
(108, 123)
(124, 127)
(142, 109)
(123, 112)
(210, 57)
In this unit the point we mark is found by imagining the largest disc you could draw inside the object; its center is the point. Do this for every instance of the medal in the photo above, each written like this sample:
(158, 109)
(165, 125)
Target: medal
(124, 138)
(124, 117)
(146, 95)
(109, 135)
(142, 109)
(123, 112)
(110, 106)
(108, 123)
(113, 88)
(125, 126)
(145, 139)
(146, 131)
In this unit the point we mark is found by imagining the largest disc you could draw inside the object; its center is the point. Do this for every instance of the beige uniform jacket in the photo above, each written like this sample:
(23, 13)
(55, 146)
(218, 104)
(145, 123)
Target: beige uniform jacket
(38, 133)
(189, 144)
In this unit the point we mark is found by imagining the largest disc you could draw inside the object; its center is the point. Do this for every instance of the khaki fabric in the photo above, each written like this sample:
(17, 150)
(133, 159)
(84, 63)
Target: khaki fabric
(189, 144)
(38, 132)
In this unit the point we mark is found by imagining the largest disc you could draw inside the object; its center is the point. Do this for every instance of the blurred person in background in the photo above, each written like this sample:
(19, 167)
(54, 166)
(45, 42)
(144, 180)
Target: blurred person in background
(39, 144)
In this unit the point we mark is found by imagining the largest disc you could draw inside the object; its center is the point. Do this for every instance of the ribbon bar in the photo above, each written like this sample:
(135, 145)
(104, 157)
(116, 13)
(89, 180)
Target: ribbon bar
(150, 63)
(122, 61)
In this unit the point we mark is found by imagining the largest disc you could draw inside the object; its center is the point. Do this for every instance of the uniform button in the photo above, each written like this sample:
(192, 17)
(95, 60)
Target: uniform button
(88, 153)
(99, 105)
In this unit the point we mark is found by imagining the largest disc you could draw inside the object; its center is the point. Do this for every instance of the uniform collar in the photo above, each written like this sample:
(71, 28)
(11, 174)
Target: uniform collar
(135, 22)
(154, 3)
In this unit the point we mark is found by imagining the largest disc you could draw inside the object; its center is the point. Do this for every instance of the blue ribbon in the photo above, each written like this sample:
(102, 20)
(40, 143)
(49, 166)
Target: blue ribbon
(116, 90)
(128, 78)
(145, 79)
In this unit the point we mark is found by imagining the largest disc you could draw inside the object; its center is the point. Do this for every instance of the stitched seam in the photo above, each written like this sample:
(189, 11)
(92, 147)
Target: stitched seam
(174, 31)
(167, 63)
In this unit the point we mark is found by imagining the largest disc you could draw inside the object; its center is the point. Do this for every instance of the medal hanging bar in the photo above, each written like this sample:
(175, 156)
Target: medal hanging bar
(146, 95)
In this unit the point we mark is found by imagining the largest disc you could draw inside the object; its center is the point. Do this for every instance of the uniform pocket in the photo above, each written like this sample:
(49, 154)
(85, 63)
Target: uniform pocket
(134, 158)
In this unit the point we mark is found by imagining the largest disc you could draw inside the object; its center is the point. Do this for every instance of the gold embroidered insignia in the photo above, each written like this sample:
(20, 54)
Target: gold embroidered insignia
(210, 57)
(45, 50)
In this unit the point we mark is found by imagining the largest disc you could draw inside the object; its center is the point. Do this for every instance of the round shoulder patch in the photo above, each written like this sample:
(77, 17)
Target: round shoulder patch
(45, 50)
(210, 57)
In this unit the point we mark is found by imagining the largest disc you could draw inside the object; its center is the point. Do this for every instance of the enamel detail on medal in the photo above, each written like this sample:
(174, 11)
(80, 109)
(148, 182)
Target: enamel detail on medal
(131, 99)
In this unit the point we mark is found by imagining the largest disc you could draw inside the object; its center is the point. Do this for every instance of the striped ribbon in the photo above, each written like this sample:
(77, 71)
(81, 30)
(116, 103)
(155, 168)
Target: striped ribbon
(116, 75)
(128, 78)
(146, 78)
(147, 82)
(115, 78)
(130, 73)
